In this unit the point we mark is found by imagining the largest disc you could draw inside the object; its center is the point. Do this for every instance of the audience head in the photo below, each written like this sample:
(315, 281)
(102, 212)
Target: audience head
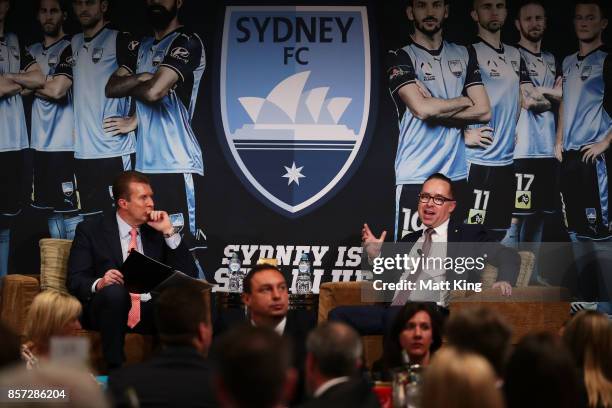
(436, 200)
(182, 318)
(9, 346)
(417, 331)
(81, 389)
(266, 295)
(540, 373)
(252, 368)
(589, 338)
(482, 331)
(460, 379)
(133, 197)
(333, 350)
(52, 313)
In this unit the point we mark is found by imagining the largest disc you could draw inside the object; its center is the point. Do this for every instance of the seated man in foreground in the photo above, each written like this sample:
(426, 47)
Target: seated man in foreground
(179, 375)
(100, 246)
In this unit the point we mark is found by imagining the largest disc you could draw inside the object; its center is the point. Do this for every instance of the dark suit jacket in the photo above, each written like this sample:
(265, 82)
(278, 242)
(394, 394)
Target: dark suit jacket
(475, 242)
(96, 248)
(176, 377)
(352, 394)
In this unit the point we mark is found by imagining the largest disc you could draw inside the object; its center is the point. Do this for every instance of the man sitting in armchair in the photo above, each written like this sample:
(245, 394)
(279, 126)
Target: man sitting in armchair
(100, 246)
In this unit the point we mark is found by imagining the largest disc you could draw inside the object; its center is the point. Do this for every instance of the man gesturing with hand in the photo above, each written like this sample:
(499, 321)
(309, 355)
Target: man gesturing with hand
(99, 248)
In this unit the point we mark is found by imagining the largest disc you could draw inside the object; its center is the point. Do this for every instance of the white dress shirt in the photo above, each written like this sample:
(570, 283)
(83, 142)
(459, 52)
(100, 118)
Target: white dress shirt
(328, 384)
(440, 235)
(124, 237)
(280, 327)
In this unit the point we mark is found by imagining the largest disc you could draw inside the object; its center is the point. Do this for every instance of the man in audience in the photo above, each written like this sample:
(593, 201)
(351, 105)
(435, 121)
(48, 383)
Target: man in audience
(333, 360)
(100, 246)
(266, 297)
(482, 331)
(179, 374)
(252, 368)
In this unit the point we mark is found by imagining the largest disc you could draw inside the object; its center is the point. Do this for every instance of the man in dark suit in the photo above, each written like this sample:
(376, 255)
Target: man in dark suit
(179, 375)
(100, 246)
(266, 297)
(436, 204)
(333, 360)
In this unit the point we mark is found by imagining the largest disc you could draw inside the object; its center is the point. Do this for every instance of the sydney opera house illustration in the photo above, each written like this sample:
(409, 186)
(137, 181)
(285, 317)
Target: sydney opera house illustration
(289, 113)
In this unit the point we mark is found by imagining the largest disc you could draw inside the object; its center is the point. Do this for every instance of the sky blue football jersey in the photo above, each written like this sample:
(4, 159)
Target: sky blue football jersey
(13, 128)
(502, 71)
(425, 148)
(93, 61)
(52, 122)
(536, 132)
(586, 87)
(166, 142)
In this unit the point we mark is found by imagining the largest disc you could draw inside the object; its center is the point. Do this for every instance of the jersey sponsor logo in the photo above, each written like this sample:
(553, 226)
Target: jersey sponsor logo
(492, 67)
(96, 55)
(586, 72)
(15, 51)
(133, 45)
(455, 67)
(180, 53)
(68, 188)
(476, 216)
(523, 200)
(398, 71)
(427, 72)
(296, 134)
(515, 66)
(52, 61)
(157, 58)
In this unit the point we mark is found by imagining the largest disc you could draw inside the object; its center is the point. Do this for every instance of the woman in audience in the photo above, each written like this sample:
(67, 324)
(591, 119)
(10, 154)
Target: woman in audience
(541, 374)
(52, 313)
(416, 333)
(589, 338)
(457, 379)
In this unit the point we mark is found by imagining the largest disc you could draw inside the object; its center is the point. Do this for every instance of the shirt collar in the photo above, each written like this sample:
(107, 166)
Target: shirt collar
(441, 229)
(328, 384)
(280, 327)
(124, 227)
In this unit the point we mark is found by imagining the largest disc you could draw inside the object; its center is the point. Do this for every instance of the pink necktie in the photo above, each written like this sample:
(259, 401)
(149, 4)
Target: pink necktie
(134, 314)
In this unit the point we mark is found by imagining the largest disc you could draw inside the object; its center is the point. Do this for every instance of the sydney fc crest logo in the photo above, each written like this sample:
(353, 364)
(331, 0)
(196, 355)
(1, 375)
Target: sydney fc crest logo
(294, 100)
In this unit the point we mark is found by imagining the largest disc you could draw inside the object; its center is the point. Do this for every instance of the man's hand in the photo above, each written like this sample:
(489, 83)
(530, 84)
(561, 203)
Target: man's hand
(369, 241)
(559, 151)
(111, 277)
(120, 125)
(160, 221)
(505, 287)
(482, 136)
(592, 151)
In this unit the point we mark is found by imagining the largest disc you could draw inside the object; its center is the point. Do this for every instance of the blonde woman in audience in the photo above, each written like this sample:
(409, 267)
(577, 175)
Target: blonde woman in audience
(457, 379)
(589, 337)
(52, 313)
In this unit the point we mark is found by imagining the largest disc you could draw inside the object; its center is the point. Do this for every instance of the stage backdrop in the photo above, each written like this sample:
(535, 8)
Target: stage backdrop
(296, 125)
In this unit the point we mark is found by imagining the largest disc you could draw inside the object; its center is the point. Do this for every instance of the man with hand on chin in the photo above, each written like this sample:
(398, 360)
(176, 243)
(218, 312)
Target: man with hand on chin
(99, 248)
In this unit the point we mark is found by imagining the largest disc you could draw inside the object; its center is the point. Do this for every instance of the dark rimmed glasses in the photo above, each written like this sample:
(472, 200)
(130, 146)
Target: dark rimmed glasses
(438, 200)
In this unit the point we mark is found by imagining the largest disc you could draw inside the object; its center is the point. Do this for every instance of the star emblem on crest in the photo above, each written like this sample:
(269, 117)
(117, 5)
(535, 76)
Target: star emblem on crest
(294, 174)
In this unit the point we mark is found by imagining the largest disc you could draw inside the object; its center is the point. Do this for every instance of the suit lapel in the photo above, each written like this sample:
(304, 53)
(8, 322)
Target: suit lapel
(111, 234)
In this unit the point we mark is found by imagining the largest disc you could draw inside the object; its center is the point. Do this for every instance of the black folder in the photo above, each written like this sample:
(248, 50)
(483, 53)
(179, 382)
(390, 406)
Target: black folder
(142, 274)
